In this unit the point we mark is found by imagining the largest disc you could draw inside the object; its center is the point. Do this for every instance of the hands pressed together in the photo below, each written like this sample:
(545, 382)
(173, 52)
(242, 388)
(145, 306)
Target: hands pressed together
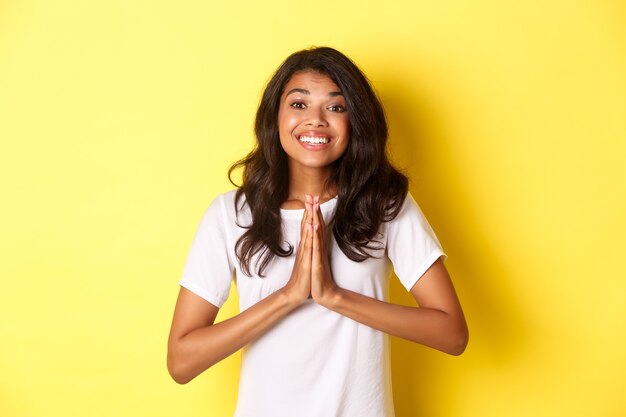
(311, 276)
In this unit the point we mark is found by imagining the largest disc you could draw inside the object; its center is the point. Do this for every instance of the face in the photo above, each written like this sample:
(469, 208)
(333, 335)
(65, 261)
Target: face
(313, 121)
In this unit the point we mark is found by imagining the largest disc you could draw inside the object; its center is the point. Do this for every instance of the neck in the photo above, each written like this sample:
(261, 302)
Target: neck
(312, 181)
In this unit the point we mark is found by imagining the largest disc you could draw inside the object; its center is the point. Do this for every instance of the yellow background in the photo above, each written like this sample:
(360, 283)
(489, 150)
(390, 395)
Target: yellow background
(118, 120)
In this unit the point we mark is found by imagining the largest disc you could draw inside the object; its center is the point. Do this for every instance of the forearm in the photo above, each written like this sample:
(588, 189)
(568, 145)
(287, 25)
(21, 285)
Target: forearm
(192, 353)
(428, 326)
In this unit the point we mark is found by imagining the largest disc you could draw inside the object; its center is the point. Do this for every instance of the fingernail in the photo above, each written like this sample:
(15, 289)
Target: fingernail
(316, 199)
(307, 198)
(315, 227)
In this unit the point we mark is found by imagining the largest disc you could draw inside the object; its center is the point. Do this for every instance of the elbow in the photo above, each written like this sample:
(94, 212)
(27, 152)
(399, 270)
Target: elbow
(458, 348)
(179, 378)
(177, 370)
(458, 342)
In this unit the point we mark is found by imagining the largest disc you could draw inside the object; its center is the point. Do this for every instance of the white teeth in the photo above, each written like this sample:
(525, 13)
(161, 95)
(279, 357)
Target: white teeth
(313, 139)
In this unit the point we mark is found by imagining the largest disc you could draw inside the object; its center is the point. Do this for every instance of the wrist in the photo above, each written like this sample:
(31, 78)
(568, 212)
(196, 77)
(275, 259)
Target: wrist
(332, 298)
(290, 297)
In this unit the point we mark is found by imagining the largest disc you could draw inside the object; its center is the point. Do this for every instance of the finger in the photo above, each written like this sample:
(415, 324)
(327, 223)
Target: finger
(303, 251)
(316, 209)
(308, 207)
(319, 221)
(305, 218)
(307, 249)
(300, 243)
(320, 216)
(316, 257)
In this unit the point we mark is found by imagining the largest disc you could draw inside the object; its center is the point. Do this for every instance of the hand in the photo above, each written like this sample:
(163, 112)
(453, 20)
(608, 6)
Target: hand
(299, 285)
(323, 287)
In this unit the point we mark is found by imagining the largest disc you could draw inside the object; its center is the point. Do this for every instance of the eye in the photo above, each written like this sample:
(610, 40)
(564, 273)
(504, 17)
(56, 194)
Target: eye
(298, 105)
(337, 108)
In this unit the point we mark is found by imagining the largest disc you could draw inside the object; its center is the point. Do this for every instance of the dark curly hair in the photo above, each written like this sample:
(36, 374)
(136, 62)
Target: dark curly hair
(370, 190)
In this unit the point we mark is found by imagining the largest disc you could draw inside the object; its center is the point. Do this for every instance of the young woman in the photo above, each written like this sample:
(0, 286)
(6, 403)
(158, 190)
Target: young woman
(311, 237)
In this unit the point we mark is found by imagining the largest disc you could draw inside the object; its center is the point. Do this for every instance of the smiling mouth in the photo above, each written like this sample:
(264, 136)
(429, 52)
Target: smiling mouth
(314, 140)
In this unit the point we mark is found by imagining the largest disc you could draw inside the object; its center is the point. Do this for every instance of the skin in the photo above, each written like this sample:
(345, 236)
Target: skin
(311, 105)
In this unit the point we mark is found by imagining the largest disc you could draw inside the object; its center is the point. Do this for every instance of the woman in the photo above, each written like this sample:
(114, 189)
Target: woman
(308, 237)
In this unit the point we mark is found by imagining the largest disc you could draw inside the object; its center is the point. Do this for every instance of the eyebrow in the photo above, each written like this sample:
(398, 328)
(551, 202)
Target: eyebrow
(307, 92)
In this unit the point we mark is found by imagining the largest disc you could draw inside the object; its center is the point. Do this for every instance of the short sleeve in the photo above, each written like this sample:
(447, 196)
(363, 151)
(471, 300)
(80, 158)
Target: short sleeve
(208, 270)
(412, 245)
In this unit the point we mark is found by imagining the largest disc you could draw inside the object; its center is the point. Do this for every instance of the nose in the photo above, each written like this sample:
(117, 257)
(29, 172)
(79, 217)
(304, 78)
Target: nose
(316, 117)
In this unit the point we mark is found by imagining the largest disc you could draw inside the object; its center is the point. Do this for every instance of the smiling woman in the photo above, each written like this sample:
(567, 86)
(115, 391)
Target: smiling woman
(310, 236)
(313, 123)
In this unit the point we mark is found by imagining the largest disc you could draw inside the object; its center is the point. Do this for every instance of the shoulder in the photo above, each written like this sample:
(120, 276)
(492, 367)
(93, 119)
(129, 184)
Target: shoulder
(409, 215)
(226, 199)
(229, 209)
(408, 208)
(221, 207)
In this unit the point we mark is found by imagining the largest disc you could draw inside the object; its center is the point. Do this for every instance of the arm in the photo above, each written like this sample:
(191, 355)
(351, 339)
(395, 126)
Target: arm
(196, 343)
(438, 322)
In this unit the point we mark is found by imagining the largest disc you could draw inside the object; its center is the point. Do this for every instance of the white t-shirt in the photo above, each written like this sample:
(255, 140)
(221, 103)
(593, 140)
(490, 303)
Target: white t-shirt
(314, 362)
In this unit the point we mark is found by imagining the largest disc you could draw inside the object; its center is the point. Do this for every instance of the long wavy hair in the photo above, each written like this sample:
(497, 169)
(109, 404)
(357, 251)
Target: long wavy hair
(370, 190)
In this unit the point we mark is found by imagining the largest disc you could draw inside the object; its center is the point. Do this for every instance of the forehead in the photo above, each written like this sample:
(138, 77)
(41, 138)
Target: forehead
(311, 81)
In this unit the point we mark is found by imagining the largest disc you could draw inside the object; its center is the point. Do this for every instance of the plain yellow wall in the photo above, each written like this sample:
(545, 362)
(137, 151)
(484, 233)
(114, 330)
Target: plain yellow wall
(118, 121)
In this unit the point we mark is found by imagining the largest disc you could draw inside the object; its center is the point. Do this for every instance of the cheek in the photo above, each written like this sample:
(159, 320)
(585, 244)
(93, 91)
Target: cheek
(286, 121)
(284, 131)
(346, 135)
(344, 125)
